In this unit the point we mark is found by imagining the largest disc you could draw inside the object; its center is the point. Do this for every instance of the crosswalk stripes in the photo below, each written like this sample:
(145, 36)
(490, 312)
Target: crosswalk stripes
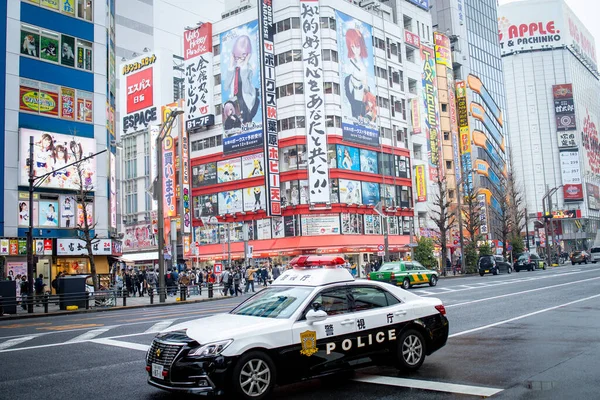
(89, 335)
(120, 343)
(160, 326)
(15, 341)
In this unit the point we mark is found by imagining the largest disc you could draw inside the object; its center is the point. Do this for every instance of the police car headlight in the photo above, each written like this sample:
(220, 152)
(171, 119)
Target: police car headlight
(210, 349)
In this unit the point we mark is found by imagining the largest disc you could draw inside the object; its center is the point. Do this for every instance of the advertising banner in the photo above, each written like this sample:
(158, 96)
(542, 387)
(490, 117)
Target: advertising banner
(350, 191)
(139, 237)
(483, 227)
(185, 181)
(348, 158)
(168, 164)
(229, 170)
(571, 175)
(263, 229)
(430, 103)
(269, 106)
(314, 102)
(420, 183)
(370, 193)
(320, 224)
(277, 227)
(564, 110)
(206, 205)
(593, 196)
(68, 207)
(464, 132)
(48, 103)
(76, 247)
(241, 89)
(254, 198)
(590, 142)
(352, 224)
(453, 124)
(357, 81)
(372, 225)
(424, 4)
(85, 106)
(230, 202)
(89, 210)
(368, 161)
(140, 93)
(113, 190)
(53, 151)
(252, 165)
(48, 213)
(154, 131)
(442, 49)
(67, 103)
(415, 113)
(204, 174)
(412, 39)
(199, 77)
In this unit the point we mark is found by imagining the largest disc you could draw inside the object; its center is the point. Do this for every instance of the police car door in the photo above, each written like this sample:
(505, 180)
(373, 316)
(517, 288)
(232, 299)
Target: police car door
(320, 347)
(379, 316)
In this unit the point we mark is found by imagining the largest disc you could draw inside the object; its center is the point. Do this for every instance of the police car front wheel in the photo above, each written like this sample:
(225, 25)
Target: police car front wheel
(254, 376)
(411, 350)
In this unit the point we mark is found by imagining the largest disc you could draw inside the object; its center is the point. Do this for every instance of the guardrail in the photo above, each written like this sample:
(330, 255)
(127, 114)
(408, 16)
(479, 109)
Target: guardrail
(114, 297)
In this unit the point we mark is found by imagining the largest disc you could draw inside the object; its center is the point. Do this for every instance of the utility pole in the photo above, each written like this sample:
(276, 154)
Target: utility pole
(527, 229)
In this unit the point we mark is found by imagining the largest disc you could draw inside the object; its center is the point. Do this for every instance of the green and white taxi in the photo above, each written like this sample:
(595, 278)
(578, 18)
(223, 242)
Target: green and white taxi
(405, 274)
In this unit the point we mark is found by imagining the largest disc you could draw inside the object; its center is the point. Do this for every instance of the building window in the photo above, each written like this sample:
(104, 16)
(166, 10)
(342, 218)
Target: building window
(218, 108)
(290, 89)
(379, 43)
(216, 49)
(328, 23)
(446, 135)
(407, 22)
(207, 143)
(412, 86)
(289, 56)
(333, 121)
(444, 108)
(287, 24)
(448, 165)
(217, 79)
(383, 102)
(330, 55)
(84, 9)
(84, 55)
(410, 54)
(331, 87)
(381, 72)
(417, 152)
(451, 194)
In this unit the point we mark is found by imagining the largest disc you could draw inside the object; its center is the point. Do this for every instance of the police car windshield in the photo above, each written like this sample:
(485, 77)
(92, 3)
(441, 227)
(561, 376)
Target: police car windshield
(274, 302)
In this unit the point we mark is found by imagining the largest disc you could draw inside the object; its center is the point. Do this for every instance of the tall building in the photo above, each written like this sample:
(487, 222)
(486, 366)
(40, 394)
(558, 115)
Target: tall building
(552, 86)
(298, 160)
(148, 30)
(60, 90)
(472, 29)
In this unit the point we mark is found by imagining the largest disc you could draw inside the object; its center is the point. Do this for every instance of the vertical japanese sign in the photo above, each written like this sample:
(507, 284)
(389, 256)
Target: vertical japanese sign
(139, 92)
(357, 76)
(442, 49)
(453, 123)
(430, 104)
(415, 111)
(185, 184)
(241, 88)
(420, 183)
(318, 172)
(198, 64)
(483, 227)
(113, 190)
(154, 131)
(564, 110)
(464, 131)
(570, 169)
(271, 144)
(168, 164)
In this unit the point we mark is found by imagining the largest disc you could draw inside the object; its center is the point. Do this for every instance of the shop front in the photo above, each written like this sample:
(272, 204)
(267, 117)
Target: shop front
(14, 257)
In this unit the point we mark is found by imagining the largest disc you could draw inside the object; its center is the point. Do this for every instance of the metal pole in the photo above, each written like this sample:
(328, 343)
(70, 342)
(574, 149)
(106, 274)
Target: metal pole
(228, 245)
(386, 257)
(460, 226)
(174, 245)
(160, 215)
(527, 229)
(412, 228)
(30, 266)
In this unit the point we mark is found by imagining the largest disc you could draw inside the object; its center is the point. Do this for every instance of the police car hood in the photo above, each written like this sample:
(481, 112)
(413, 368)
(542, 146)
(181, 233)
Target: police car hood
(229, 326)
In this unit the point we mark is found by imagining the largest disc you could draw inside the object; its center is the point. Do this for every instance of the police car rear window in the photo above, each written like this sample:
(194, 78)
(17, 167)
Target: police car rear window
(274, 302)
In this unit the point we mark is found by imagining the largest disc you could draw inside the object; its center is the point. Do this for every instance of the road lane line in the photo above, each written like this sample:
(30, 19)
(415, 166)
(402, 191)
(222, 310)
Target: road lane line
(160, 326)
(119, 343)
(518, 293)
(429, 385)
(14, 342)
(89, 335)
(506, 321)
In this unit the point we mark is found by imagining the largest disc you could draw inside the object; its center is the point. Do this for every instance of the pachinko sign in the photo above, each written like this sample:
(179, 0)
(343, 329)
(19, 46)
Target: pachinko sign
(527, 27)
(198, 64)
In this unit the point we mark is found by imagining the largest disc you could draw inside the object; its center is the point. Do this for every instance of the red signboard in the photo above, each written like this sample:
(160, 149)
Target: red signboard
(564, 91)
(412, 39)
(573, 192)
(139, 90)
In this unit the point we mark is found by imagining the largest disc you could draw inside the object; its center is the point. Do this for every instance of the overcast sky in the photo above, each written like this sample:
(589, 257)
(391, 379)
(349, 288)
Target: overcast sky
(587, 11)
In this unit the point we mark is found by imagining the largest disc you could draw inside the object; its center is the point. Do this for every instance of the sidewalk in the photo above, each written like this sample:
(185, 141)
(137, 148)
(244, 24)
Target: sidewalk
(120, 303)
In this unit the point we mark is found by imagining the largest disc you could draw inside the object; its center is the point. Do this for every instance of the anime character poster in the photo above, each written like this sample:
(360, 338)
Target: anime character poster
(229, 170)
(368, 161)
(230, 202)
(348, 158)
(350, 192)
(48, 213)
(89, 209)
(277, 227)
(252, 165)
(68, 206)
(240, 89)
(370, 193)
(357, 73)
(255, 198)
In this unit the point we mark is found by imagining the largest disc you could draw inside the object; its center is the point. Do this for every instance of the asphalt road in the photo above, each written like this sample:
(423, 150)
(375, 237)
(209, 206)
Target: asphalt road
(528, 335)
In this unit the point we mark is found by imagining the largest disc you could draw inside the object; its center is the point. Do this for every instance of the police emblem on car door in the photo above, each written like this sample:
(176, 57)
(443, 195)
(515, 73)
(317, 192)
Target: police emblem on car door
(308, 340)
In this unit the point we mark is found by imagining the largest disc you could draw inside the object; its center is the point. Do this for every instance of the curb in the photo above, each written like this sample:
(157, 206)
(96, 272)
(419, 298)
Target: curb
(95, 310)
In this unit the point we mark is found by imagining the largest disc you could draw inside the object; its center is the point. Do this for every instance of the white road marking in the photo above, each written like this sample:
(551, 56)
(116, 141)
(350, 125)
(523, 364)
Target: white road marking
(447, 289)
(14, 342)
(519, 293)
(160, 326)
(424, 292)
(429, 385)
(506, 321)
(120, 343)
(89, 335)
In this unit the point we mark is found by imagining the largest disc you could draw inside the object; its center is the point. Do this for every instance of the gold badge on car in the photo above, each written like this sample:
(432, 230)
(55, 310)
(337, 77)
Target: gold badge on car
(308, 340)
(158, 352)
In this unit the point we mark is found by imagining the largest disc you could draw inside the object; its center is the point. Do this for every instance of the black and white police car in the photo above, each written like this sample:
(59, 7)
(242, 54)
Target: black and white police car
(314, 320)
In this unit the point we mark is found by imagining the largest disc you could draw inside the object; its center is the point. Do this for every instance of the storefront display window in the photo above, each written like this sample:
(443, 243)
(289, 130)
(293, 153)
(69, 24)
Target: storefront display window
(334, 191)
(388, 195)
(369, 161)
(404, 196)
(372, 225)
(387, 164)
(352, 224)
(290, 193)
(72, 266)
(331, 156)
(393, 226)
(402, 166)
(406, 225)
(304, 192)
(288, 158)
(302, 156)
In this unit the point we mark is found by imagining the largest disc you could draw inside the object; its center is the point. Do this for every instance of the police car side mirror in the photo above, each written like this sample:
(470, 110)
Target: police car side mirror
(313, 316)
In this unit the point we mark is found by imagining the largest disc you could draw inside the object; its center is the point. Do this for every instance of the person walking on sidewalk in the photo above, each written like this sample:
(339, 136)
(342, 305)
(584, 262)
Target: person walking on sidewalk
(135, 282)
(128, 283)
(237, 281)
(184, 281)
(39, 289)
(225, 281)
(25, 296)
(151, 282)
(250, 279)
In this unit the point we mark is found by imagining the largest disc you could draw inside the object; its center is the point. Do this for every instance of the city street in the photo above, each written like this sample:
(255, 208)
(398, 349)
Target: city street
(527, 335)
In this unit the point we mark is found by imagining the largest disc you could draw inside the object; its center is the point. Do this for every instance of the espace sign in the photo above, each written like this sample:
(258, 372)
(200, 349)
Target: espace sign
(140, 91)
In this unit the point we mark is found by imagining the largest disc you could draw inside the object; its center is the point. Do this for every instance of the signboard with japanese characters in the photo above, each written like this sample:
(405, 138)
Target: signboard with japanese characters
(571, 175)
(185, 181)
(412, 39)
(564, 111)
(198, 64)
(76, 247)
(314, 101)
(168, 166)
(266, 33)
(430, 105)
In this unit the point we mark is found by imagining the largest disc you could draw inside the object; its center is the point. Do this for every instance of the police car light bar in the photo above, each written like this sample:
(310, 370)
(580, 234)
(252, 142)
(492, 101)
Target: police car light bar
(317, 261)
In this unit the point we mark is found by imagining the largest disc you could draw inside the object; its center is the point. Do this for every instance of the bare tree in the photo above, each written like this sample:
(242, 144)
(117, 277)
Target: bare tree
(506, 224)
(471, 213)
(442, 216)
(86, 227)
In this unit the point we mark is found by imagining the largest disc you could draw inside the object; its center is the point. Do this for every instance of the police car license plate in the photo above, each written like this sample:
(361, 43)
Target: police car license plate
(487, 270)
(157, 371)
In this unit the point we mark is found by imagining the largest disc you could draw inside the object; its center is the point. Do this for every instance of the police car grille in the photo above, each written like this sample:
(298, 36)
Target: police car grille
(168, 352)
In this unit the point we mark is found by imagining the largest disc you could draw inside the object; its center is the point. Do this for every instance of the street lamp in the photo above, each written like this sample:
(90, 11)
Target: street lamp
(460, 227)
(547, 221)
(166, 127)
